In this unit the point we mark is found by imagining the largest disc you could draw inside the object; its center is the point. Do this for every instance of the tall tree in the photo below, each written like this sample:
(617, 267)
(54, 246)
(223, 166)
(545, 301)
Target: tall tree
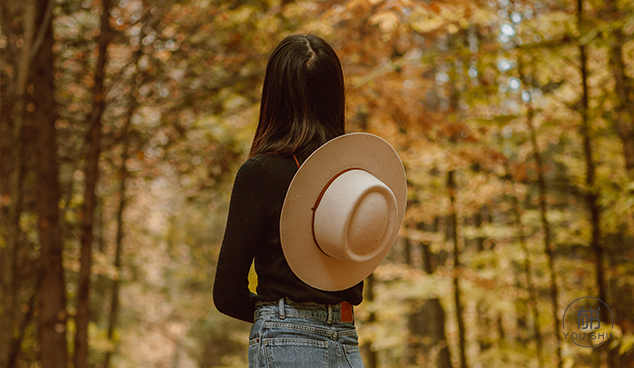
(484, 321)
(530, 285)
(9, 253)
(432, 314)
(592, 189)
(371, 354)
(116, 283)
(548, 247)
(123, 175)
(453, 216)
(624, 109)
(52, 288)
(543, 215)
(91, 170)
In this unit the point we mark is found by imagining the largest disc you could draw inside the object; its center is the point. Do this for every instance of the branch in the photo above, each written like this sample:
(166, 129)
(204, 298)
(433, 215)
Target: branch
(48, 15)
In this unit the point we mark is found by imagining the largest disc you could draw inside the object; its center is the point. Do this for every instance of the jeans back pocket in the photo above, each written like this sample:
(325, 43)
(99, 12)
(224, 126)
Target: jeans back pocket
(294, 353)
(353, 356)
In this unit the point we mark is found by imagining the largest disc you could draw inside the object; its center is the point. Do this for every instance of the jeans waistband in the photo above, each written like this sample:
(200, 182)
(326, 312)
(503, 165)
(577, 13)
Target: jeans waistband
(286, 308)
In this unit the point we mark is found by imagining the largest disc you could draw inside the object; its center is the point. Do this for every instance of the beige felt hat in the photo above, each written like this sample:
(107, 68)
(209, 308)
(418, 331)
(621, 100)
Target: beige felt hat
(343, 211)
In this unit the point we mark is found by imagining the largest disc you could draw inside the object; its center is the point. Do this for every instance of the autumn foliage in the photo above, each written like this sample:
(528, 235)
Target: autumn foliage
(123, 123)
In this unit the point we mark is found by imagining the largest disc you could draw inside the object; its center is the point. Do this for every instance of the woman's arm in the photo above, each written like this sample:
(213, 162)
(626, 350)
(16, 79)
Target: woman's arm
(245, 227)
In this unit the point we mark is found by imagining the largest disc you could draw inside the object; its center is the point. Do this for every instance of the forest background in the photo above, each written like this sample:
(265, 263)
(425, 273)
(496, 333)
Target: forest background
(123, 123)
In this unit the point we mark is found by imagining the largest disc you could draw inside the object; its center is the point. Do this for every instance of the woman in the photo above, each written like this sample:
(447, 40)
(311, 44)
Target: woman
(315, 231)
(302, 107)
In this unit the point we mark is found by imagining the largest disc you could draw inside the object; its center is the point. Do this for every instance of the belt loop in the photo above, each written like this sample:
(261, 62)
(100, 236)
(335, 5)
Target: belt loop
(329, 321)
(281, 307)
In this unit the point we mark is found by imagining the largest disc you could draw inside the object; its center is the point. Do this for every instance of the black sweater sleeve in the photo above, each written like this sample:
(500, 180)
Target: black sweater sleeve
(245, 226)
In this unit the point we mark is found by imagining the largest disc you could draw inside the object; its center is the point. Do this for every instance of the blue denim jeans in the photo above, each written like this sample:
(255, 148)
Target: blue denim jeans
(286, 334)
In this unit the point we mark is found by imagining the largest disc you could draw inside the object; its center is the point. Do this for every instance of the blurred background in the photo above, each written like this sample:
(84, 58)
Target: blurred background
(123, 123)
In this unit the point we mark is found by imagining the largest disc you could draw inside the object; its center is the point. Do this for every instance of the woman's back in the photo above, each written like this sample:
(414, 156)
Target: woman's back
(253, 232)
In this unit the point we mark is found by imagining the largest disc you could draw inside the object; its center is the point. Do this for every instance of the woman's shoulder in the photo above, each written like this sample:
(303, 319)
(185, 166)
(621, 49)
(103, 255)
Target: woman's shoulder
(267, 165)
(269, 160)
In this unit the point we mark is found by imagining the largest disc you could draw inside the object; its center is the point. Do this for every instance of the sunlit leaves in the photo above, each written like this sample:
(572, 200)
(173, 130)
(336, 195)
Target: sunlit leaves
(450, 84)
(386, 20)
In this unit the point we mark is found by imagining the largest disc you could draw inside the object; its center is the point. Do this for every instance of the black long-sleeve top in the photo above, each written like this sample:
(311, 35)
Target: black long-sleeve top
(253, 231)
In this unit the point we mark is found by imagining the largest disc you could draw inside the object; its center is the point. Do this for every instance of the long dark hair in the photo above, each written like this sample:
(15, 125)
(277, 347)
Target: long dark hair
(303, 99)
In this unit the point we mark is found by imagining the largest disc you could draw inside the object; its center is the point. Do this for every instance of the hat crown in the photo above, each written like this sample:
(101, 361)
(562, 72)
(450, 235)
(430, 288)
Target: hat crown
(356, 217)
(368, 223)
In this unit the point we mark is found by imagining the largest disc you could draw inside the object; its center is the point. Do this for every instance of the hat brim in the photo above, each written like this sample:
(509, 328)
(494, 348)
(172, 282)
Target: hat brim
(305, 258)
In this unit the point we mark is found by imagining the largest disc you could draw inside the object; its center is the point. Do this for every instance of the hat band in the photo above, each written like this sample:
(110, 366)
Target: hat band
(321, 195)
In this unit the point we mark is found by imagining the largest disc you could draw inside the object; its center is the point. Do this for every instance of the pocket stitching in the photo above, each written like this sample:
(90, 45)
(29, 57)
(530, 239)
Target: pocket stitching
(280, 341)
(277, 341)
(299, 327)
(350, 350)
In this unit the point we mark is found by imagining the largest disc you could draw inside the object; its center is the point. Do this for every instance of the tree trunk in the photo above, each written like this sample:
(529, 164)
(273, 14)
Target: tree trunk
(477, 221)
(371, 356)
(52, 288)
(123, 175)
(532, 298)
(436, 313)
(592, 195)
(483, 320)
(426, 255)
(624, 109)
(92, 174)
(624, 112)
(9, 253)
(407, 252)
(548, 246)
(16, 341)
(451, 189)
